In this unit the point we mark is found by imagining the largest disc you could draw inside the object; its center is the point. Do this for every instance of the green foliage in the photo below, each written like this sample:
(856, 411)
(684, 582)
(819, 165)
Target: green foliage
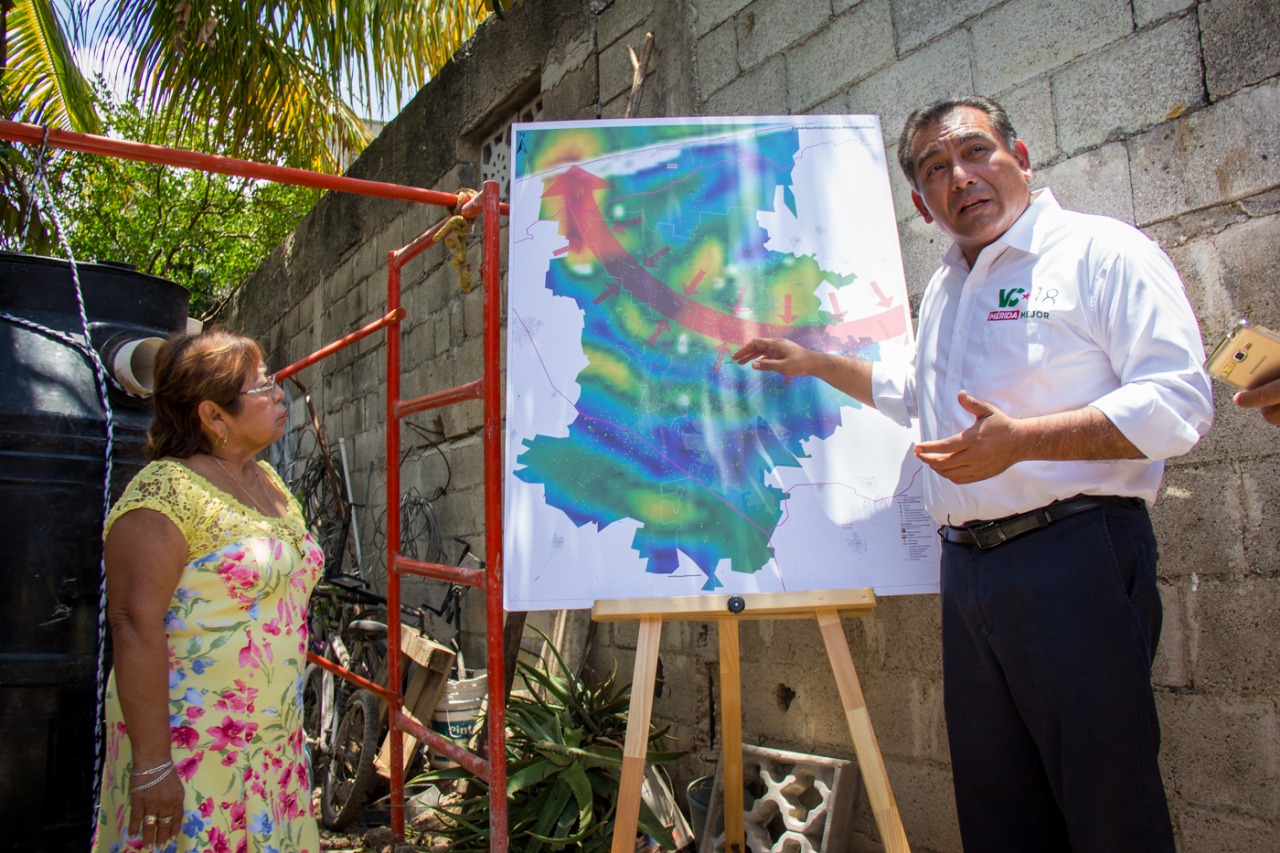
(564, 759)
(205, 231)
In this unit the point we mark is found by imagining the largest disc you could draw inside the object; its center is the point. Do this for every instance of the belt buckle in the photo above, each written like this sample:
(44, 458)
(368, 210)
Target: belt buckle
(979, 532)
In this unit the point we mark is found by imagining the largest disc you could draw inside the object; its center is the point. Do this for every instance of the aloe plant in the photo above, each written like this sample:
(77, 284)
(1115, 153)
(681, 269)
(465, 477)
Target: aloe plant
(564, 759)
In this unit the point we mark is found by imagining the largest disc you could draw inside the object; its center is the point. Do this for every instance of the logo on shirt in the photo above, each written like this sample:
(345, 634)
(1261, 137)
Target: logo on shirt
(1010, 300)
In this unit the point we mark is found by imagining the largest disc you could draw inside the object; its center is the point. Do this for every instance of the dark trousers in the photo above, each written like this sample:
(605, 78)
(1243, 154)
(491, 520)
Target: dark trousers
(1047, 645)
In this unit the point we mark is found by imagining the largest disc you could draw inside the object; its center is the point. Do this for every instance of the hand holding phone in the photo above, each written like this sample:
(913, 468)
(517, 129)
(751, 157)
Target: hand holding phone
(1247, 357)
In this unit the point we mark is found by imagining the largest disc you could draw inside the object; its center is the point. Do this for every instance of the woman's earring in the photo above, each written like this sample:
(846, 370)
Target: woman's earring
(222, 441)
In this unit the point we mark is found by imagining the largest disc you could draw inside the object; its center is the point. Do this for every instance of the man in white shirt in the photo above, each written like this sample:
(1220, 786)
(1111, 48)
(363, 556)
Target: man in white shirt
(1057, 363)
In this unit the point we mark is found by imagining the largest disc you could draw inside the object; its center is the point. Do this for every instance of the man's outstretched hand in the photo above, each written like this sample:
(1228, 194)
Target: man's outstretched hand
(990, 446)
(779, 355)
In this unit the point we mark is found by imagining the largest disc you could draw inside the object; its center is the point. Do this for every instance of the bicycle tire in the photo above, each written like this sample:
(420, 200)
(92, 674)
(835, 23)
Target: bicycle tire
(350, 776)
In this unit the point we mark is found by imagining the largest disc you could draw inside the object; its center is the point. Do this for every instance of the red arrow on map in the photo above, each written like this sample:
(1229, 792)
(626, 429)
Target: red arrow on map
(612, 290)
(884, 301)
(835, 307)
(658, 328)
(621, 227)
(691, 288)
(786, 315)
(652, 260)
(580, 219)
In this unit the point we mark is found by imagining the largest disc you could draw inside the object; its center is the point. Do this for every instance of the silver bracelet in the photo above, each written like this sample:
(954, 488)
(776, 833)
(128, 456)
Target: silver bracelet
(153, 782)
(155, 769)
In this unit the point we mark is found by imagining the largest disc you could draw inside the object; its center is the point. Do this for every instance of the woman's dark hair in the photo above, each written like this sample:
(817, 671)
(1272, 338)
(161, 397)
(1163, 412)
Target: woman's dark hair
(190, 369)
(936, 112)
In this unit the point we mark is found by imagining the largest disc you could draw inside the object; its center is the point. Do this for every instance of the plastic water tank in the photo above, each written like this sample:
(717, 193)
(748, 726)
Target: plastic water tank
(52, 441)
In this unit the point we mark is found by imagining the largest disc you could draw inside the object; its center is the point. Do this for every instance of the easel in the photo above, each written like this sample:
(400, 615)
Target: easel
(827, 607)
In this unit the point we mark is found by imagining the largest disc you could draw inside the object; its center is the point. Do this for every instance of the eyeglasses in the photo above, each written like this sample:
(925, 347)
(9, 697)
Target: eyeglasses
(265, 388)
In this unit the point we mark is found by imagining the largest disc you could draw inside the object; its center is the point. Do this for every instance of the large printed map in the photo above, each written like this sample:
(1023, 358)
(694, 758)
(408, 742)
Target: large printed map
(641, 459)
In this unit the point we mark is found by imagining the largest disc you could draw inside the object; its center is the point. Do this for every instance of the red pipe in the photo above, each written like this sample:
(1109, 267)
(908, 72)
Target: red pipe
(347, 675)
(468, 759)
(341, 343)
(459, 394)
(438, 571)
(90, 144)
(393, 546)
(497, 714)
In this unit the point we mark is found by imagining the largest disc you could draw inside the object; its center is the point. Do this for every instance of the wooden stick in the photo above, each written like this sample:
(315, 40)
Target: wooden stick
(756, 605)
(871, 762)
(731, 735)
(639, 70)
(637, 742)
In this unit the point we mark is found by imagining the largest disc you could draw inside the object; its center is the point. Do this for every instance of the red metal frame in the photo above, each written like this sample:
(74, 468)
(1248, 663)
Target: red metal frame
(488, 207)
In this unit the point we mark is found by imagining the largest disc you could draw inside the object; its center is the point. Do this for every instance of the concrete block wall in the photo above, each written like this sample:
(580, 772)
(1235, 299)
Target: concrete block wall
(1164, 113)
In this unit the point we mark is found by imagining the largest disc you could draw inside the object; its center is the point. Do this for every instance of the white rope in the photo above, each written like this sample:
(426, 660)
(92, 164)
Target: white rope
(100, 377)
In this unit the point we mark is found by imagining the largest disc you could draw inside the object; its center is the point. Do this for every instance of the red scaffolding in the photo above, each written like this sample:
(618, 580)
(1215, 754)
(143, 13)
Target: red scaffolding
(487, 207)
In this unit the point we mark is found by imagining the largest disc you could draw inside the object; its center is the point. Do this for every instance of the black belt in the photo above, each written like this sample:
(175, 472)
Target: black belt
(989, 534)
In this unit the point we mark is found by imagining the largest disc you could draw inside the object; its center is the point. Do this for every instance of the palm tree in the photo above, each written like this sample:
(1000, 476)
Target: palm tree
(265, 78)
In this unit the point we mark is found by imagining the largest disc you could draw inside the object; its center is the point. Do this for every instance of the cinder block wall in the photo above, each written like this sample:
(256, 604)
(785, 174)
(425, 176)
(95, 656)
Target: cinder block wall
(1164, 113)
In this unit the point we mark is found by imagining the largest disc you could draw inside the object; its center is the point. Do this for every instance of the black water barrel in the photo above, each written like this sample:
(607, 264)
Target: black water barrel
(52, 442)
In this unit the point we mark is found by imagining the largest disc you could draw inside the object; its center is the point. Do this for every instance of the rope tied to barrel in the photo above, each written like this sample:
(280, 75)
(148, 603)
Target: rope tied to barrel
(456, 229)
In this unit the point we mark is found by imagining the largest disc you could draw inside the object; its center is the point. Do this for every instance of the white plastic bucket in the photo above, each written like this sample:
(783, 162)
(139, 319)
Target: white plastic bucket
(455, 716)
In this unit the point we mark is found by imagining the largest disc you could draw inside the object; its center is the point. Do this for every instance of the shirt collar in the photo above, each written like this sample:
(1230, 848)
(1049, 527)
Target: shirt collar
(1023, 235)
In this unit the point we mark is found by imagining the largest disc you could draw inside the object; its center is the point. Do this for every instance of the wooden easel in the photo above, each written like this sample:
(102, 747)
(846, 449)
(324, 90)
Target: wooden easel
(827, 607)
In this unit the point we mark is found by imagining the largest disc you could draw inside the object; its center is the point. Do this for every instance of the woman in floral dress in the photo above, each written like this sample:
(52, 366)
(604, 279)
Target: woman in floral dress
(209, 567)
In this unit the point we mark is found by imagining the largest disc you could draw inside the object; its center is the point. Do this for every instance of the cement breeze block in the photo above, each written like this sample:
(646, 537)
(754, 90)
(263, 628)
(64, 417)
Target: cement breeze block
(760, 91)
(1225, 152)
(852, 47)
(1235, 645)
(1149, 11)
(918, 21)
(1029, 106)
(1026, 37)
(1241, 41)
(1222, 829)
(1199, 520)
(765, 28)
(938, 71)
(1094, 182)
(717, 58)
(1130, 86)
(1221, 752)
(709, 14)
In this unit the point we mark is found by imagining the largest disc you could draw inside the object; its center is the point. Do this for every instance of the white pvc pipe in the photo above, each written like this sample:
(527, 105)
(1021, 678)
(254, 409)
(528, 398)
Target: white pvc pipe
(133, 365)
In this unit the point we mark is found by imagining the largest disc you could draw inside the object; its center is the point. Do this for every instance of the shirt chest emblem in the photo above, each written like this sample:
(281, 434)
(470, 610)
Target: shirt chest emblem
(1015, 303)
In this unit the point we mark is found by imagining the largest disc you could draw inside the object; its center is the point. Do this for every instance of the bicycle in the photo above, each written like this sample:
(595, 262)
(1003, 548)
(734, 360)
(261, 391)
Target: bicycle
(343, 722)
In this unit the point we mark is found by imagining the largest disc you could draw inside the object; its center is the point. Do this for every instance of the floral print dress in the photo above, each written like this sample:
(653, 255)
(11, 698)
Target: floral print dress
(237, 634)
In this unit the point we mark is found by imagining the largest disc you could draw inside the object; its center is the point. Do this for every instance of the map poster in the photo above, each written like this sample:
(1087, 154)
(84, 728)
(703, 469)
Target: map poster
(641, 459)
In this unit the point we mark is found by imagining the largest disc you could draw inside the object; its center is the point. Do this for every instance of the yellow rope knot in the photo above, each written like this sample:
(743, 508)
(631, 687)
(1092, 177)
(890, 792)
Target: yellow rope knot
(455, 230)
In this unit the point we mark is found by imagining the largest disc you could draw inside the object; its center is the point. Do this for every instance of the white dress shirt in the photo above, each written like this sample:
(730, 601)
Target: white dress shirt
(1064, 310)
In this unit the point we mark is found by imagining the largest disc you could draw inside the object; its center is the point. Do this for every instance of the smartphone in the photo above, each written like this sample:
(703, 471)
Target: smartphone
(1247, 357)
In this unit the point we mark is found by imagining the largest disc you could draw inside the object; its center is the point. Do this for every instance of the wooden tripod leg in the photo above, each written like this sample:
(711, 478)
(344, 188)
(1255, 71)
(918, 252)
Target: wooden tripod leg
(637, 742)
(731, 735)
(874, 776)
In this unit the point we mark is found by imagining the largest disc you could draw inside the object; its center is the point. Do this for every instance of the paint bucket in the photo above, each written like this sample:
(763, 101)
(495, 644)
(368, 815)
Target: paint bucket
(699, 796)
(455, 716)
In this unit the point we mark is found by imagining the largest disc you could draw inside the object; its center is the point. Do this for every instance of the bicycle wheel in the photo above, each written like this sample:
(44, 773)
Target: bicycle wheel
(350, 775)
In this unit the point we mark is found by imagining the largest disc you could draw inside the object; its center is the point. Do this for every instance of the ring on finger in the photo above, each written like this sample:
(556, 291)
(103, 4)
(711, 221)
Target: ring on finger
(150, 820)
(166, 820)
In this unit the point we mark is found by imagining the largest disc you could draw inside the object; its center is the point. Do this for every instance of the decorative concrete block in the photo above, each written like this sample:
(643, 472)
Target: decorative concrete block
(793, 802)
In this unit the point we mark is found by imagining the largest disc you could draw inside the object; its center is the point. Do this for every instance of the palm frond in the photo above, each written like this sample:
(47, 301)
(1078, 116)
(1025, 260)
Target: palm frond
(41, 83)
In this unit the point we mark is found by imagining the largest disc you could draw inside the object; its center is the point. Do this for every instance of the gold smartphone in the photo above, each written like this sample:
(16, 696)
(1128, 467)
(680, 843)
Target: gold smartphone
(1247, 357)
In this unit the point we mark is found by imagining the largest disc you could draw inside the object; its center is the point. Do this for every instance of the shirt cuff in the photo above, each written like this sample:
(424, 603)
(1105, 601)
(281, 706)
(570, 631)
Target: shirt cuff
(892, 392)
(1150, 424)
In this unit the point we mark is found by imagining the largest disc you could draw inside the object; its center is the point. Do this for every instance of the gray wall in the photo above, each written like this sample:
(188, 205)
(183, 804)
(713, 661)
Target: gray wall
(1164, 113)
